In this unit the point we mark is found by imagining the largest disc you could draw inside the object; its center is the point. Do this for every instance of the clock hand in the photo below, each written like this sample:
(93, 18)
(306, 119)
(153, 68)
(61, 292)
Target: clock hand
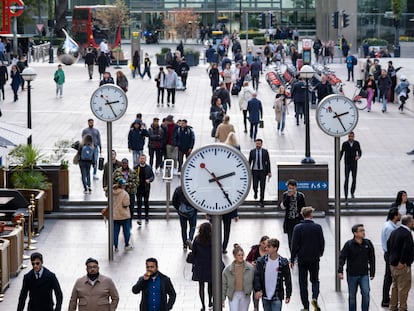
(226, 195)
(114, 102)
(340, 115)
(109, 103)
(222, 176)
(339, 119)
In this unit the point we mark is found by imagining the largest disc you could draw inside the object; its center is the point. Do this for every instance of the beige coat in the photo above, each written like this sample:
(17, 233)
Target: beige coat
(121, 204)
(102, 296)
(223, 131)
(278, 107)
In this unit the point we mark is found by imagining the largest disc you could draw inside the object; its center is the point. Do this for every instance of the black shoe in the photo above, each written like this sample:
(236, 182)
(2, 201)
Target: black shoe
(352, 196)
(224, 251)
(385, 304)
(261, 204)
(410, 152)
(255, 196)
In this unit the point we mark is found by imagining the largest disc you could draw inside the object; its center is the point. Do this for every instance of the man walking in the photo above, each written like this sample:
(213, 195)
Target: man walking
(90, 62)
(359, 255)
(96, 140)
(136, 140)
(308, 245)
(259, 161)
(271, 275)
(184, 141)
(353, 153)
(145, 177)
(93, 291)
(158, 292)
(40, 283)
(400, 247)
(390, 225)
(254, 107)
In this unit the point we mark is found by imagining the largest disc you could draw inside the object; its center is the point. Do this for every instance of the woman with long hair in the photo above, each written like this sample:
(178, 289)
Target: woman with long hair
(371, 88)
(122, 81)
(280, 106)
(86, 157)
(404, 205)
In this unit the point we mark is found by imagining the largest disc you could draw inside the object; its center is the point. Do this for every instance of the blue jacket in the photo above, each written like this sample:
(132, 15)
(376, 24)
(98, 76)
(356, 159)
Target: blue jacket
(184, 139)
(254, 107)
(136, 138)
(308, 243)
(211, 55)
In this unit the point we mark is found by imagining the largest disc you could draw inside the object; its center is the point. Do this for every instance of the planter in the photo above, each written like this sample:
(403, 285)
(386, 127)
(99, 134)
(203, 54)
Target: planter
(48, 202)
(161, 61)
(64, 183)
(192, 59)
(2, 178)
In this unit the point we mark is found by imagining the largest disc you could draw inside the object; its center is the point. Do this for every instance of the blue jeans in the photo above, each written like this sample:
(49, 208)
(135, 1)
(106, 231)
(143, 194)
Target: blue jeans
(253, 130)
(126, 228)
(281, 124)
(85, 168)
(384, 101)
(363, 282)
(135, 155)
(192, 222)
(272, 305)
(96, 157)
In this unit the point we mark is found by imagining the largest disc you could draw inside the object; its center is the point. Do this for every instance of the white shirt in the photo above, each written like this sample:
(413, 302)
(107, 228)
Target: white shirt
(271, 273)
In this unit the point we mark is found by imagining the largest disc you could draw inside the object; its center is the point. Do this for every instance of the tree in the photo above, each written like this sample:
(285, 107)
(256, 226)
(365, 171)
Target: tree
(60, 16)
(397, 9)
(184, 22)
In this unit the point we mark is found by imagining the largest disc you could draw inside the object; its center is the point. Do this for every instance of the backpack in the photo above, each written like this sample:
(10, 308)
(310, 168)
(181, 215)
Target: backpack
(186, 211)
(86, 153)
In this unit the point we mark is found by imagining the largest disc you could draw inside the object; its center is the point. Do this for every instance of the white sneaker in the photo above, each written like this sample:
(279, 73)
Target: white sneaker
(157, 171)
(95, 177)
(128, 248)
(175, 172)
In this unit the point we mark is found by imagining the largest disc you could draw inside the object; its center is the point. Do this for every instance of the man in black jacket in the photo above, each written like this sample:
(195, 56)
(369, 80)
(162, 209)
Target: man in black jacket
(39, 283)
(359, 255)
(401, 251)
(353, 153)
(308, 245)
(259, 162)
(157, 285)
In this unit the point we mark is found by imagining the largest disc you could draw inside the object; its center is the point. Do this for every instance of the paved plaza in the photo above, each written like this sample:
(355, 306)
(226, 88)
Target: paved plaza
(383, 170)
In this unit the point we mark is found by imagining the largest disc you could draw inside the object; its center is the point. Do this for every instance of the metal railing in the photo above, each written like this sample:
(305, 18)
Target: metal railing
(41, 52)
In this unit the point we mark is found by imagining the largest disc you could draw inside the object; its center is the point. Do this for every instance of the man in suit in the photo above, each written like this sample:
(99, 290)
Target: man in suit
(308, 245)
(401, 255)
(353, 153)
(260, 164)
(39, 283)
(255, 110)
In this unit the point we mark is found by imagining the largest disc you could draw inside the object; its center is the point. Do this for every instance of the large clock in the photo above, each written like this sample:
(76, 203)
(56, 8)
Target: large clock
(109, 102)
(216, 179)
(337, 115)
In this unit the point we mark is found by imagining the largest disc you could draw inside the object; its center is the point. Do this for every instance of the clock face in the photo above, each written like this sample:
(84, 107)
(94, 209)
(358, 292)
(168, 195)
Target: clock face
(216, 179)
(337, 115)
(109, 102)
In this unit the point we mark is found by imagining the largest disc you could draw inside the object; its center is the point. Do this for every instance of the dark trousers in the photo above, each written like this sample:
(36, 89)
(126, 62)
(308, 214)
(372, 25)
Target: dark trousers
(146, 71)
(386, 286)
(351, 73)
(181, 155)
(184, 79)
(171, 92)
(160, 93)
(255, 80)
(289, 226)
(143, 194)
(245, 120)
(350, 168)
(131, 206)
(313, 268)
(253, 130)
(226, 230)
(259, 178)
(158, 157)
(192, 222)
(2, 90)
(85, 169)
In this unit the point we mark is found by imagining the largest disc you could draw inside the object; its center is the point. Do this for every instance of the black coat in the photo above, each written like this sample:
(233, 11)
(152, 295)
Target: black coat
(167, 289)
(400, 247)
(4, 75)
(40, 292)
(265, 160)
(308, 243)
(351, 152)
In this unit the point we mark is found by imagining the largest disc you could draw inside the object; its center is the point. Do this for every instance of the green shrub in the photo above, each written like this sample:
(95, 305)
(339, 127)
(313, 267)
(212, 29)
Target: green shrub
(165, 50)
(377, 42)
(259, 41)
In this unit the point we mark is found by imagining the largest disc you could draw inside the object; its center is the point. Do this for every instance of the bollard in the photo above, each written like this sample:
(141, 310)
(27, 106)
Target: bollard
(29, 228)
(167, 176)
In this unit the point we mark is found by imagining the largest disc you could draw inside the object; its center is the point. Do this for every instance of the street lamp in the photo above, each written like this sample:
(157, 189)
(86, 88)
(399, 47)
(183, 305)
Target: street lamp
(29, 75)
(307, 73)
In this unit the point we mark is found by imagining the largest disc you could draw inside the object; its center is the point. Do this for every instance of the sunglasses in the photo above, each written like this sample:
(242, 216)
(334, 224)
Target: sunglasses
(36, 263)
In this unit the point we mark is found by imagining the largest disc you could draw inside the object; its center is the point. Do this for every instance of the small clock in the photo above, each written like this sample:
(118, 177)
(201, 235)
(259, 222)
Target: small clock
(109, 102)
(337, 115)
(216, 179)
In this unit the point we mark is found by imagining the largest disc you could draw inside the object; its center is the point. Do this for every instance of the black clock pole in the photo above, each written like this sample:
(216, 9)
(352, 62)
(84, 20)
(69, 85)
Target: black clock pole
(337, 210)
(216, 261)
(110, 193)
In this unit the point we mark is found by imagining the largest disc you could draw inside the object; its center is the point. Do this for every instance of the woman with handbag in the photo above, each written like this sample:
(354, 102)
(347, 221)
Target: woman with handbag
(280, 107)
(371, 87)
(121, 213)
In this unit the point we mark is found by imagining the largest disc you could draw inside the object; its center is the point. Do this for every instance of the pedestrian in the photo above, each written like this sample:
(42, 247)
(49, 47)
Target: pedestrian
(231, 140)
(106, 79)
(202, 252)
(94, 291)
(400, 246)
(136, 140)
(317, 45)
(371, 87)
(255, 69)
(255, 110)
(389, 226)
(171, 85)
(86, 159)
(323, 88)
(214, 76)
(187, 214)
(404, 205)
(217, 113)
(392, 73)
(280, 106)
(59, 78)
(246, 93)
(272, 280)
(227, 219)
(170, 149)
(183, 70)
(102, 62)
(131, 184)
(22, 65)
(224, 129)
(147, 66)
(237, 281)
(384, 84)
(158, 293)
(308, 245)
(298, 94)
(145, 177)
(40, 283)
(292, 202)
(160, 81)
(227, 76)
(96, 140)
(156, 136)
(4, 77)
(136, 64)
(402, 90)
(184, 140)
(90, 62)
(16, 81)
(115, 164)
(224, 95)
(122, 81)
(359, 256)
(351, 61)
(352, 150)
(256, 251)
(259, 162)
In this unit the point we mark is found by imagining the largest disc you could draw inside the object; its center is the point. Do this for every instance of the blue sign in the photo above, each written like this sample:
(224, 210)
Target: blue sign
(306, 185)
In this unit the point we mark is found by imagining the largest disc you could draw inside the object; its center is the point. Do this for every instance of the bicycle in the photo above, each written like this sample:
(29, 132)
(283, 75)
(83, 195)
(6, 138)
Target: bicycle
(360, 97)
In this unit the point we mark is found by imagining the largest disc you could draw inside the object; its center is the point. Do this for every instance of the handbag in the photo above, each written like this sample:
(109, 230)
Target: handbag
(190, 258)
(100, 163)
(105, 212)
(261, 124)
(363, 93)
(76, 159)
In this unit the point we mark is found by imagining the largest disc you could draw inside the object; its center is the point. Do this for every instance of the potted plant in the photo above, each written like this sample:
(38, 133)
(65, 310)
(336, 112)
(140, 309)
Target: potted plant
(62, 147)
(161, 57)
(192, 57)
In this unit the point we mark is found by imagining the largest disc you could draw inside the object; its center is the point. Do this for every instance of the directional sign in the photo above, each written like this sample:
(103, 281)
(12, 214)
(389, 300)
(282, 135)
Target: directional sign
(306, 185)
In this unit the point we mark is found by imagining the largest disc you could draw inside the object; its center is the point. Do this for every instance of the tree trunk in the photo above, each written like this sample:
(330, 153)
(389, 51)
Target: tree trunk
(60, 17)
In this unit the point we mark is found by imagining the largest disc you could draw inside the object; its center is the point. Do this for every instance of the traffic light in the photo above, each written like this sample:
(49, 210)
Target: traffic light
(272, 20)
(335, 20)
(345, 20)
(263, 20)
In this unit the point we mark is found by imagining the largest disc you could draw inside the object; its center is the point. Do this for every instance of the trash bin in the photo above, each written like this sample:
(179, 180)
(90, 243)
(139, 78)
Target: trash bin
(397, 51)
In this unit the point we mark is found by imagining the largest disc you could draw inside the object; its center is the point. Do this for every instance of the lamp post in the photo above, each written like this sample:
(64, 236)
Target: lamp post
(307, 73)
(29, 75)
